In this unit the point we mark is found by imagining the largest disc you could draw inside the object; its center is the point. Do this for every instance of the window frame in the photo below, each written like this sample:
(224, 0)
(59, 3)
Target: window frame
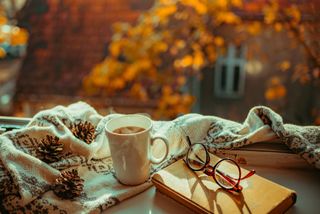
(235, 58)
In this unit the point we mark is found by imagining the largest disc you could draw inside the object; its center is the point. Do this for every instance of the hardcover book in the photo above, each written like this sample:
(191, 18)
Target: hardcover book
(200, 193)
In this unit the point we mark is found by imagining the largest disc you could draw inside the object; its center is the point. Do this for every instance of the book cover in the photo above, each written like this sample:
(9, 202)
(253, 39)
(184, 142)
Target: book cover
(200, 193)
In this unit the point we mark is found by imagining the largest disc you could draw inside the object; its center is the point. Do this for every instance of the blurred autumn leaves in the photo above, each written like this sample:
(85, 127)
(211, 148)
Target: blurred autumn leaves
(275, 89)
(175, 40)
(153, 59)
(10, 36)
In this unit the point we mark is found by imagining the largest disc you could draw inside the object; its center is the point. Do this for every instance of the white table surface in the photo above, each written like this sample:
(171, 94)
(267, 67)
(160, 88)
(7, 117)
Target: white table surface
(306, 182)
(303, 179)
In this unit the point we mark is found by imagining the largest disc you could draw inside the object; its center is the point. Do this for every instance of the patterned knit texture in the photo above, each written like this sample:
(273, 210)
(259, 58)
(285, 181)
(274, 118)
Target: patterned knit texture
(26, 181)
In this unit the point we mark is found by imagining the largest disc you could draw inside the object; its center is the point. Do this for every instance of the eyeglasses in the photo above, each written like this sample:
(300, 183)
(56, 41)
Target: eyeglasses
(226, 172)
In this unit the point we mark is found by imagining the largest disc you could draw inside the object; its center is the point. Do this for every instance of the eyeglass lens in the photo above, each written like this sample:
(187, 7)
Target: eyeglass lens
(196, 157)
(226, 174)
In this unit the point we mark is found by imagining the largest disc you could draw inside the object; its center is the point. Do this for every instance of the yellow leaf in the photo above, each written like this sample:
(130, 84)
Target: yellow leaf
(186, 61)
(212, 54)
(143, 96)
(130, 72)
(3, 20)
(254, 28)
(276, 89)
(180, 43)
(221, 3)
(119, 27)
(278, 26)
(218, 41)
(270, 94)
(19, 36)
(198, 60)
(160, 46)
(237, 3)
(110, 67)
(96, 70)
(197, 5)
(196, 46)
(281, 91)
(2, 38)
(173, 100)
(165, 11)
(187, 99)
(100, 81)
(147, 31)
(294, 12)
(180, 109)
(181, 80)
(88, 86)
(177, 63)
(2, 53)
(138, 91)
(144, 64)
(285, 65)
(118, 83)
(270, 14)
(275, 81)
(166, 1)
(228, 17)
(115, 48)
(166, 90)
(269, 17)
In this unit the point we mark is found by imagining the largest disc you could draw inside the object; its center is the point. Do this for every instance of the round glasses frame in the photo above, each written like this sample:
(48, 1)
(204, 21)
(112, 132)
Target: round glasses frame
(212, 170)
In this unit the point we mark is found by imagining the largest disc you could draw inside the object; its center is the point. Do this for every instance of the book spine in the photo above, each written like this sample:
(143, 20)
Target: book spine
(286, 204)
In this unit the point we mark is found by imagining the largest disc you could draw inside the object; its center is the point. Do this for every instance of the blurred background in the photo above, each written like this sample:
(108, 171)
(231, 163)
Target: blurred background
(162, 57)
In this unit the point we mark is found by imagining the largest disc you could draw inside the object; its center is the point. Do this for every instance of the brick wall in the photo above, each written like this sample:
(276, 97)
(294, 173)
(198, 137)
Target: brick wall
(67, 38)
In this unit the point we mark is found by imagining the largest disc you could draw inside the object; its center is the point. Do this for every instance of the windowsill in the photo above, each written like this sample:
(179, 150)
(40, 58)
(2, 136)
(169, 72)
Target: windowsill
(273, 161)
(301, 178)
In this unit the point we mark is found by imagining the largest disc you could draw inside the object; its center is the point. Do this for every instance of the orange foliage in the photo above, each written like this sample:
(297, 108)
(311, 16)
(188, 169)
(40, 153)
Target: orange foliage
(2, 53)
(174, 41)
(284, 65)
(172, 103)
(254, 28)
(14, 36)
(19, 36)
(276, 90)
(171, 43)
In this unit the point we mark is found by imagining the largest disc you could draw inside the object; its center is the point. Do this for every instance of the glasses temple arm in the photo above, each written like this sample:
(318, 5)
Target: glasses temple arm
(189, 141)
(252, 172)
(230, 180)
(188, 138)
(249, 174)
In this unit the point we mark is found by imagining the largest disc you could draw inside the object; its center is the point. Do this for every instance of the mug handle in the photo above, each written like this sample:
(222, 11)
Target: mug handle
(155, 160)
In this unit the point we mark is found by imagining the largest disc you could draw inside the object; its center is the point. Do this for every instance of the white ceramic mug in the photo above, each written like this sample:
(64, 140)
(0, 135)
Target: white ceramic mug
(131, 155)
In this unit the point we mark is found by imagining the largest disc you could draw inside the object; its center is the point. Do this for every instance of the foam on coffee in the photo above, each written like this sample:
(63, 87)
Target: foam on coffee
(128, 130)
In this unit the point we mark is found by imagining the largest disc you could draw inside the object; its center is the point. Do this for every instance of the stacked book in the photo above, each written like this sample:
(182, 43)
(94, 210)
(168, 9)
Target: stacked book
(200, 193)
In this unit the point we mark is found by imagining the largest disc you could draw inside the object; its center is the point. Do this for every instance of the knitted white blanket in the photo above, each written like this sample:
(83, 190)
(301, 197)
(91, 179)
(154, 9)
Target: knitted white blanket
(26, 182)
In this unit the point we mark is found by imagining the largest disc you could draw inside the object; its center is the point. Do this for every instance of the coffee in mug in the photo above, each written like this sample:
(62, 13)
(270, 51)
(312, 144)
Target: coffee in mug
(130, 139)
(128, 130)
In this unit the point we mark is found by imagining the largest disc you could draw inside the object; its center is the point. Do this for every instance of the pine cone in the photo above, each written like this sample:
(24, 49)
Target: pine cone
(83, 131)
(68, 185)
(50, 149)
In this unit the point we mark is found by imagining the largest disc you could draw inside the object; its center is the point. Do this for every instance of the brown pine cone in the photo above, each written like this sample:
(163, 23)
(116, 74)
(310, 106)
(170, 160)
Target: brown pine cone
(83, 131)
(50, 149)
(68, 185)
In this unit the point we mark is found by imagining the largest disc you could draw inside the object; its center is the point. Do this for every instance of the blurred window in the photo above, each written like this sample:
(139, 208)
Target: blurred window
(229, 75)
